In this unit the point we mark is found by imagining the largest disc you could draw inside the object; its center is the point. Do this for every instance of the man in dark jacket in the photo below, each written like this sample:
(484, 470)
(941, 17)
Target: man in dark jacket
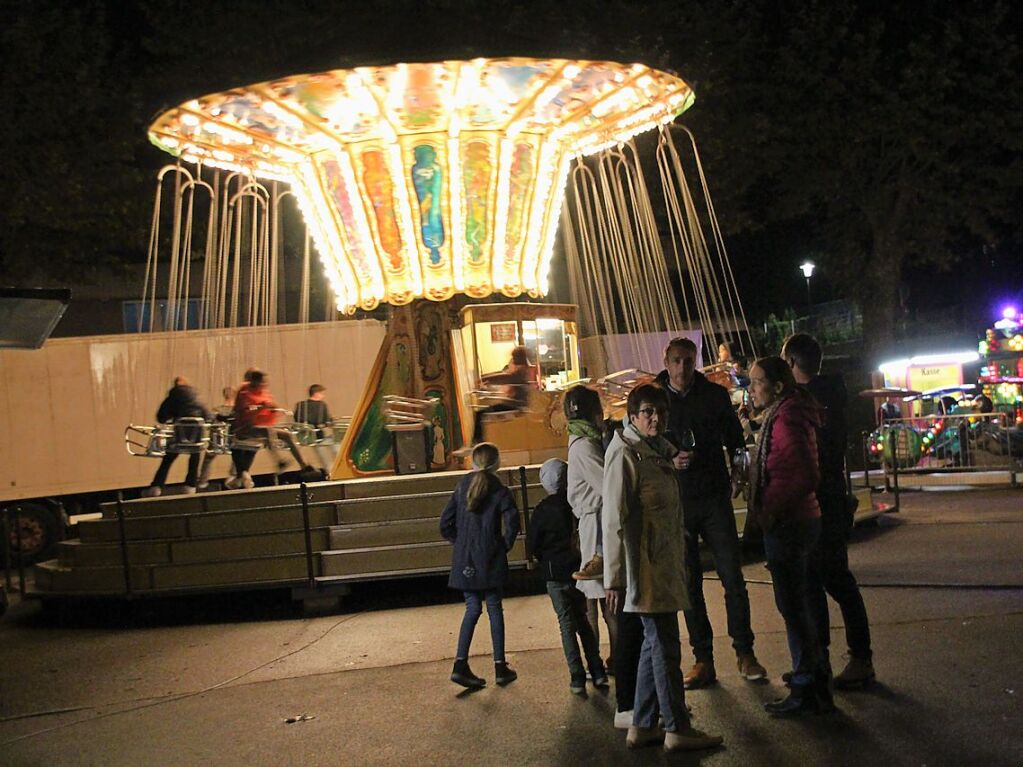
(703, 408)
(181, 402)
(829, 561)
(553, 543)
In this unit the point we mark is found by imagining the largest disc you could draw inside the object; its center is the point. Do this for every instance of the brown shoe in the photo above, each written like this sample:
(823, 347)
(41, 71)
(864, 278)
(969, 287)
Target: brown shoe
(593, 570)
(857, 673)
(702, 674)
(750, 668)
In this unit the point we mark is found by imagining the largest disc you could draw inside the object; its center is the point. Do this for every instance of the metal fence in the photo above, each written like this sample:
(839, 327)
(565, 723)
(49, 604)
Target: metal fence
(972, 448)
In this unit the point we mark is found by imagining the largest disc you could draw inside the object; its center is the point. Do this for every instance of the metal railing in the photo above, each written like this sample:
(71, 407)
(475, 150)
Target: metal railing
(960, 444)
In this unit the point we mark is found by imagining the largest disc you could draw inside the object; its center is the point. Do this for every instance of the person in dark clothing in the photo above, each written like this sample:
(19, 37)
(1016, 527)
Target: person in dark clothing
(481, 520)
(703, 408)
(552, 541)
(829, 572)
(181, 402)
(315, 412)
(514, 382)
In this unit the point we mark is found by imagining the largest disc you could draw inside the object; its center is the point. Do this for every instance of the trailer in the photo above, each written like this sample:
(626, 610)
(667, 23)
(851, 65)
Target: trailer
(64, 408)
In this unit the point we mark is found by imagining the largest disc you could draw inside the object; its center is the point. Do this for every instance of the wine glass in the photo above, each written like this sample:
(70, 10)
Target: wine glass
(687, 441)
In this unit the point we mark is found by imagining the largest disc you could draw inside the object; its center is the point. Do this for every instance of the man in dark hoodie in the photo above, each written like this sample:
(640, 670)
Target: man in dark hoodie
(696, 405)
(553, 543)
(181, 402)
(829, 561)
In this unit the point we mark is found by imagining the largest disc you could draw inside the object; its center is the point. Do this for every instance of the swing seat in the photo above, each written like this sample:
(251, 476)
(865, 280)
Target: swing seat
(156, 438)
(189, 436)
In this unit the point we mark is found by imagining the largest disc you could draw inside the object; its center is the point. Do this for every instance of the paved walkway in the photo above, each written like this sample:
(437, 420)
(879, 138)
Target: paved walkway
(212, 681)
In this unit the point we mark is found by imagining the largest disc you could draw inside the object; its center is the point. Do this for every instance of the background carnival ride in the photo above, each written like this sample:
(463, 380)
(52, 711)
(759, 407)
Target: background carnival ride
(946, 421)
(432, 186)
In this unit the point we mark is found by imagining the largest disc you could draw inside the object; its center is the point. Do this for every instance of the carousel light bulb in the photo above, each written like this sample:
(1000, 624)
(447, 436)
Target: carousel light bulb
(426, 180)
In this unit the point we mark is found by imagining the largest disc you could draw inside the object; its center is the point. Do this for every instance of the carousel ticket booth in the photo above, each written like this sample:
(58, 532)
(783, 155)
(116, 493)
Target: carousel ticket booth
(523, 418)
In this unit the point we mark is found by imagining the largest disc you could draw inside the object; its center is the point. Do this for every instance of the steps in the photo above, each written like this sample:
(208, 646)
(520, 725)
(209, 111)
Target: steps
(359, 530)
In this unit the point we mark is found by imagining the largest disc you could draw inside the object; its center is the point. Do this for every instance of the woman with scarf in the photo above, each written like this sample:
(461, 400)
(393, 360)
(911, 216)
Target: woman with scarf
(585, 417)
(644, 568)
(783, 504)
(482, 522)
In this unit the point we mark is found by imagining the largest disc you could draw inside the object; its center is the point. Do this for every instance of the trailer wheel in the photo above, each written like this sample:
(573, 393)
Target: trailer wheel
(37, 527)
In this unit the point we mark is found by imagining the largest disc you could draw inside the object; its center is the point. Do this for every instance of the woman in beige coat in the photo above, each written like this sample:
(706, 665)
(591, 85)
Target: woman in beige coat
(644, 567)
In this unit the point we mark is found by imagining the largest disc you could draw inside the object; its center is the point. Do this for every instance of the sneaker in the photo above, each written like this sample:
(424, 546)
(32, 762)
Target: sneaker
(690, 739)
(593, 570)
(601, 681)
(247, 481)
(578, 685)
(188, 490)
(152, 491)
(639, 737)
(203, 484)
(857, 673)
(623, 719)
(503, 673)
(750, 668)
(702, 674)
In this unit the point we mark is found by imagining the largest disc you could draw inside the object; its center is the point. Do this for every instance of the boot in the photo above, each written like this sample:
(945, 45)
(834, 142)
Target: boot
(503, 673)
(822, 690)
(462, 674)
(800, 700)
(702, 674)
(858, 673)
(593, 570)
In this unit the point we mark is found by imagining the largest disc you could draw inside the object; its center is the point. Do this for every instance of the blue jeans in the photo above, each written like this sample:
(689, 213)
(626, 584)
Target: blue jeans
(659, 687)
(570, 607)
(473, 611)
(713, 519)
(787, 548)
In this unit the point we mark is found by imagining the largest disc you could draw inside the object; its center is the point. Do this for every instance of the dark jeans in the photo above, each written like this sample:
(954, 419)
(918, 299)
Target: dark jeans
(713, 519)
(629, 644)
(829, 574)
(243, 459)
(570, 607)
(787, 548)
(191, 479)
(473, 610)
(659, 688)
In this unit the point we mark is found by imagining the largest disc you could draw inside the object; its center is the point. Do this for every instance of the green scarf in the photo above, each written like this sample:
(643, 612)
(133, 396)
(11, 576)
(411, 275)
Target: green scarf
(580, 427)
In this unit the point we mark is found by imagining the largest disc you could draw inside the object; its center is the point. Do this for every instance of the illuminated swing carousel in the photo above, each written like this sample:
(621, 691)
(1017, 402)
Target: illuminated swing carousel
(428, 186)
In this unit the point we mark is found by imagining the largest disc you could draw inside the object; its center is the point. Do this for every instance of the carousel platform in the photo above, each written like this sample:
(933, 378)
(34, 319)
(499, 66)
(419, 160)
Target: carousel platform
(368, 529)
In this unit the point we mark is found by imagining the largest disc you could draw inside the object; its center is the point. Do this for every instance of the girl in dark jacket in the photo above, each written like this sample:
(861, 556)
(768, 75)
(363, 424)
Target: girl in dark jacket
(473, 521)
(784, 505)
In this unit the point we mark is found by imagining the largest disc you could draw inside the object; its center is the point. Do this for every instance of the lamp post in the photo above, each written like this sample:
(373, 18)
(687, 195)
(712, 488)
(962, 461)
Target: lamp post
(807, 268)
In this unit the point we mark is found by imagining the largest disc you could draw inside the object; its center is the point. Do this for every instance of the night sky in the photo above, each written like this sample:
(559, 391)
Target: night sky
(808, 116)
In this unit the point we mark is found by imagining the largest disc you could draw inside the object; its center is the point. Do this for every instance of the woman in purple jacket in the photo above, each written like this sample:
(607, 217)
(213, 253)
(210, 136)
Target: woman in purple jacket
(784, 505)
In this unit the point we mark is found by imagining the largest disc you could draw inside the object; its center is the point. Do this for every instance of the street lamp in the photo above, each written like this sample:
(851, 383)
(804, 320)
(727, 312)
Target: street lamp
(807, 268)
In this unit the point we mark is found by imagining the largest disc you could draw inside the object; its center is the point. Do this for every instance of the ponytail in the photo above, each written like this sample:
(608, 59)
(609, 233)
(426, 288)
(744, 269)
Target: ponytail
(485, 460)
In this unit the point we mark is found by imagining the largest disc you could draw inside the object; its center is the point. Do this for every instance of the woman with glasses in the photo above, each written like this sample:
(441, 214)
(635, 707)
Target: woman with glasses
(644, 565)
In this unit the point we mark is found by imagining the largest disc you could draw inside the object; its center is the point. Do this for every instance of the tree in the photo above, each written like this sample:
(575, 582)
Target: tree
(69, 172)
(890, 132)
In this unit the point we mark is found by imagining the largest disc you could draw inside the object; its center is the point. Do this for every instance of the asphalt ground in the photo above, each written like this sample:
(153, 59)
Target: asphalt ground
(213, 680)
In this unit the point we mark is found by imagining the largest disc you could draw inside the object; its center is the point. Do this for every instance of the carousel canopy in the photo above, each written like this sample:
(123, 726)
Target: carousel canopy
(426, 180)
